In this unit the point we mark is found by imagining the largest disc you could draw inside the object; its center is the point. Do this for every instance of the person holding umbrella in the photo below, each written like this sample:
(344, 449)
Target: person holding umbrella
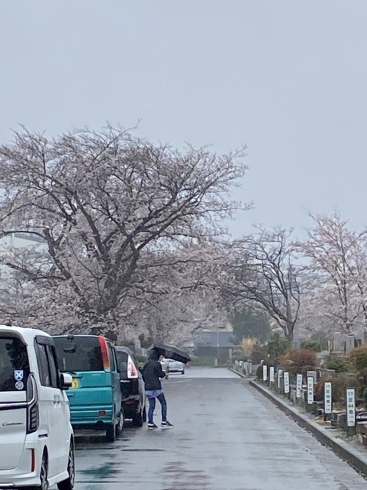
(152, 373)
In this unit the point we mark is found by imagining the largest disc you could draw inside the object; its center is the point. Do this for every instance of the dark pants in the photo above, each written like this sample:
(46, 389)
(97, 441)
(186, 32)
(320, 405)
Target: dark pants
(162, 400)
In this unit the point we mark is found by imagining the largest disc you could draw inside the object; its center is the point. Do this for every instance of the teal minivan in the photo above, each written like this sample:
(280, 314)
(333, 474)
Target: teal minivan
(95, 395)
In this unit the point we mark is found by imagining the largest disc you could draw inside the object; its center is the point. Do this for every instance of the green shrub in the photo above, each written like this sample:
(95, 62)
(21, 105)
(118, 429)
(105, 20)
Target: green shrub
(338, 364)
(358, 358)
(276, 347)
(311, 345)
(140, 359)
(358, 363)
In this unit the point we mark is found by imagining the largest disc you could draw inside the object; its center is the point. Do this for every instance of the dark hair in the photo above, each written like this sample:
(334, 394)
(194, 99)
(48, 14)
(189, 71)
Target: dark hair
(154, 355)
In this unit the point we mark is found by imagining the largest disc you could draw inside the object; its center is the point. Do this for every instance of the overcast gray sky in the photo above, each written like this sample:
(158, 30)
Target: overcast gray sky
(288, 78)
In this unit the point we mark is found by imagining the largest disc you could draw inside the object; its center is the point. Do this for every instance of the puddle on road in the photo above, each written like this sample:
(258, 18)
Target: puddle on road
(92, 443)
(104, 471)
(93, 448)
(141, 450)
(177, 476)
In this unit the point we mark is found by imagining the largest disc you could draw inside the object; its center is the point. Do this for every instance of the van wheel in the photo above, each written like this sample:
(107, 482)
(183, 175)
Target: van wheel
(121, 423)
(111, 433)
(68, 484)
(44, 473)
(144, 414)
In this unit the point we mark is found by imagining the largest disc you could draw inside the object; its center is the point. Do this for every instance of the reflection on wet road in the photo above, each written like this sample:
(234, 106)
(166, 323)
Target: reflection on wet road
(226, 437)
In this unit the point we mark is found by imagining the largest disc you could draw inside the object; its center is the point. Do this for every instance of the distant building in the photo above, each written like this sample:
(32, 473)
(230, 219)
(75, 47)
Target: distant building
(216, 344)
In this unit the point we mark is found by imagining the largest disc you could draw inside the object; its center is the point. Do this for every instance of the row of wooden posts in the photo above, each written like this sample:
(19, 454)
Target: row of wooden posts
(283, 385)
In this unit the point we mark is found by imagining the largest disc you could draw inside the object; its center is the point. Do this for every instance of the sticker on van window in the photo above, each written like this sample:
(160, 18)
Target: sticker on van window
(19, 385)
(18, 375)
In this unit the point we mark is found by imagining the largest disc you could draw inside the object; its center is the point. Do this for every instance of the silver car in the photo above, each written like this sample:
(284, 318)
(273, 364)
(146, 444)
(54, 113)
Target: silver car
(173, 366)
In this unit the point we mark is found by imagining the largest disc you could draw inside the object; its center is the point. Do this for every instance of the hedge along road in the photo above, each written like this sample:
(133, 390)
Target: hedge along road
(226, 436)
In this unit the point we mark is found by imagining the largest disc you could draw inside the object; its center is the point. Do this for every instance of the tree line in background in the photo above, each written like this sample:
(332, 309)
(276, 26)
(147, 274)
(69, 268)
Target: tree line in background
(131, 241)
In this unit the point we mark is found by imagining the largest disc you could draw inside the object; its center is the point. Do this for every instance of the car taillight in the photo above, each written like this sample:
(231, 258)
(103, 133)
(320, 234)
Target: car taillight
(132, 372)
(104, 351)
(32, 405)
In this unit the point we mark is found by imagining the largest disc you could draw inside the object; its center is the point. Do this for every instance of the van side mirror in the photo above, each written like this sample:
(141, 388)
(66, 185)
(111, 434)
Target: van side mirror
(66, 381)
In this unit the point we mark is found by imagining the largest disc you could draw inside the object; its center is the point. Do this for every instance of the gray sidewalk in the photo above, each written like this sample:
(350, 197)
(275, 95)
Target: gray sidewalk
(348, 448)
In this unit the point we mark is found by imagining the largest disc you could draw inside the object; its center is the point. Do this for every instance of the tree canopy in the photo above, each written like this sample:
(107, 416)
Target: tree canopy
(129, 239)
(120, 222)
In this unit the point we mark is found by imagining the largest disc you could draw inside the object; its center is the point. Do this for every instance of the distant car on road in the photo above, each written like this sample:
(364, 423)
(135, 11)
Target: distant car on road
(132, 386)
(173, 366)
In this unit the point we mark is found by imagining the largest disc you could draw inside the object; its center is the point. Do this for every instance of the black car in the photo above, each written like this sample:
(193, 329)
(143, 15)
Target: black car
(132, 386)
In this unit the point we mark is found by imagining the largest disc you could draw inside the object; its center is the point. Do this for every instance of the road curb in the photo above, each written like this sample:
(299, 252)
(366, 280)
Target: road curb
(246, 376)
(349, 454)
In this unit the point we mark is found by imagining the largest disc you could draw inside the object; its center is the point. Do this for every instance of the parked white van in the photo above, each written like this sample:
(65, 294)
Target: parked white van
(36, 437)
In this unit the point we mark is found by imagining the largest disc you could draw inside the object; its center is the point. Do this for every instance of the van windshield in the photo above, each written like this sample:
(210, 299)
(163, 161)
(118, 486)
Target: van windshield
(14, 365)
(80, 353)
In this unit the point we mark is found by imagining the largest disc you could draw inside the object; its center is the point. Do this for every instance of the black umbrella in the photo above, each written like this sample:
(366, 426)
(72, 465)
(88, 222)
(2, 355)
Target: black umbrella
(172, 352)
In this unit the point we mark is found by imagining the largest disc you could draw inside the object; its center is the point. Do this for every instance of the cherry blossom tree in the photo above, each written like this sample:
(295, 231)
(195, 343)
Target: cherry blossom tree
(337, 258)
(182, 295)
(314, 315)
(110, 209)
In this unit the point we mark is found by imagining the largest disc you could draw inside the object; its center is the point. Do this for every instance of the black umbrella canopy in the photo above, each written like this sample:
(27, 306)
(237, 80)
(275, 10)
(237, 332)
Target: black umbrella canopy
(172, 352)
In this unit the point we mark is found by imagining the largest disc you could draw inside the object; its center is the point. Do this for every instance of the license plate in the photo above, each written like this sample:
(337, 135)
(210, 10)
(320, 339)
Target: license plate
(74, 383)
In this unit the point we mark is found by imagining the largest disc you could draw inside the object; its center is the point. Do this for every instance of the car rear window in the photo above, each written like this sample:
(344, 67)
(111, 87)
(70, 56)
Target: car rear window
(79, 353)
(122, 360)
(14, 364)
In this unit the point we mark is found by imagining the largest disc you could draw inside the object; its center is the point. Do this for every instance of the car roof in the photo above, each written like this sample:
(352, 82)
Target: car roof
(124, 348)
(28, 334)
(66, 335)
(72, 336)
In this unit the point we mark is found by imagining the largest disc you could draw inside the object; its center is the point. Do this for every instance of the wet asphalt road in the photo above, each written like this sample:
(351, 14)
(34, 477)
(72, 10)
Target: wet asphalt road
(226, 437)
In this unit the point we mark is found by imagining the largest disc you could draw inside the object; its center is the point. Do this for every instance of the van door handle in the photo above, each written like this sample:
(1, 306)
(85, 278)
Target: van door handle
(57, 400)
